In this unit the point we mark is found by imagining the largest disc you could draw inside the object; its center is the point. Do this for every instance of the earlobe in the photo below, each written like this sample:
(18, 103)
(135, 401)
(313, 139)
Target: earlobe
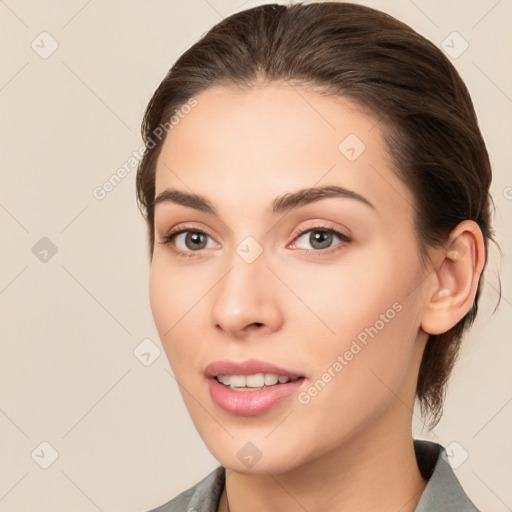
(455, 278)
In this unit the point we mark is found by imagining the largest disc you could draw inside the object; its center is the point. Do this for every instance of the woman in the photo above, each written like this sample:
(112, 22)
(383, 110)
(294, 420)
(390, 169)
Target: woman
(316, 190)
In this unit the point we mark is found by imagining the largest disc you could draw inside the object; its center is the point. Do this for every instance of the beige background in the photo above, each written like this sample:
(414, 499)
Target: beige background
(71, 323)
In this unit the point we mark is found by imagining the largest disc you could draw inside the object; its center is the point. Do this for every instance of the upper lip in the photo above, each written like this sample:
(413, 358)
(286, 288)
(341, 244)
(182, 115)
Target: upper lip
(247, 367)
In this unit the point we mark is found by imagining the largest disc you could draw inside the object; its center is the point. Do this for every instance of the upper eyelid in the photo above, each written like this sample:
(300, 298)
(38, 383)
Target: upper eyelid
(302, 231)
(296, 232)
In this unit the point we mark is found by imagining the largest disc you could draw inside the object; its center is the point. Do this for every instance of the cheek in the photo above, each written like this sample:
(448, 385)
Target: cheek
(161, 299)
(346, 297)
(176, 299)
(167, 305)
(365, 315)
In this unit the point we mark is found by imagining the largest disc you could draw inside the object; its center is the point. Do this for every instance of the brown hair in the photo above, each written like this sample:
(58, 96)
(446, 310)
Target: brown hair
(390, 71)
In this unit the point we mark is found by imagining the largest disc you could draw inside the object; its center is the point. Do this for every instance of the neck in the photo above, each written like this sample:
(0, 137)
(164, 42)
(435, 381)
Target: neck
(373, 471)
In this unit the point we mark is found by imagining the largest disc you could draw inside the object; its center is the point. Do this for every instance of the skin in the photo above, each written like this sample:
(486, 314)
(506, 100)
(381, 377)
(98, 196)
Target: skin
(350, 447)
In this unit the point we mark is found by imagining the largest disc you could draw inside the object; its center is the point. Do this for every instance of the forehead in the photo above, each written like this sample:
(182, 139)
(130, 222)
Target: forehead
(258, 143)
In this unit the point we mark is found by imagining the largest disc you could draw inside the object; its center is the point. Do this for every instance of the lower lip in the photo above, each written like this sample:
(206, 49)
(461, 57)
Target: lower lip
(251, 403)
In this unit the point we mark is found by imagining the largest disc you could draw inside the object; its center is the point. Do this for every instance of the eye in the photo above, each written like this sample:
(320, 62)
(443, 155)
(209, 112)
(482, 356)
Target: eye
(320, 238)
(186, 241)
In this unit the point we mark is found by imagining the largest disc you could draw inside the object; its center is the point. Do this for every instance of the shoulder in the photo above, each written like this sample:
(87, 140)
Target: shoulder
(204, 496)
(443, 491)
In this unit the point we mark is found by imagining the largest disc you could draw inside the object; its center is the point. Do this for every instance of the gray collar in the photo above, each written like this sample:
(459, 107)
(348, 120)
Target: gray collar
(443, 490)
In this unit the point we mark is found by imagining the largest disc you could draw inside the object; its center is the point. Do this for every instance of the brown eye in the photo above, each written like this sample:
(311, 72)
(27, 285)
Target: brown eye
(195, 240)
(185, 242)
(320, 239)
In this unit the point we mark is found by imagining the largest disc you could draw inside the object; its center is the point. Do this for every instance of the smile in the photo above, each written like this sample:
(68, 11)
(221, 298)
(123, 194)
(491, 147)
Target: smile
(254, 381)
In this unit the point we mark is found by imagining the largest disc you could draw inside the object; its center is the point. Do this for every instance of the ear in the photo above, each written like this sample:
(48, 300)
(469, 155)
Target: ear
(455, 278)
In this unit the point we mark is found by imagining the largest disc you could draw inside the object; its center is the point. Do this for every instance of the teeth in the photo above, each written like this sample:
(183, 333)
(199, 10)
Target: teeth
(237, 381)
(270, 379)
(256, 380)
(251, 381)
(223, 379)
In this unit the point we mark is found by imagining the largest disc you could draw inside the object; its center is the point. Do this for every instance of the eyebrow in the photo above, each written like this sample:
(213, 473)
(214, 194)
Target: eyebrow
(280, 204)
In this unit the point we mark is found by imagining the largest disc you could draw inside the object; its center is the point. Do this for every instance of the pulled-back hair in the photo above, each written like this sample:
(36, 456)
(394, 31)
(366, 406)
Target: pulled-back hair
(392, 73)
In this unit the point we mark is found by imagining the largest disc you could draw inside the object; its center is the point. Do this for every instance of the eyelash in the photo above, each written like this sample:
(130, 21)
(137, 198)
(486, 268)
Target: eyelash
(168, 239)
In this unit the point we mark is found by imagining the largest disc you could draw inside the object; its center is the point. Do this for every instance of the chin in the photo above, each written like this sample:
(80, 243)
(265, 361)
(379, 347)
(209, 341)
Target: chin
(255, 457)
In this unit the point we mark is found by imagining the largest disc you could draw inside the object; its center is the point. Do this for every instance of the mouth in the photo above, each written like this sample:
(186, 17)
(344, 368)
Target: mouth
(250, 387)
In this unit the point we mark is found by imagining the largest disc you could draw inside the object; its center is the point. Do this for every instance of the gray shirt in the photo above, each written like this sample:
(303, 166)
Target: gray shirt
(443, 492)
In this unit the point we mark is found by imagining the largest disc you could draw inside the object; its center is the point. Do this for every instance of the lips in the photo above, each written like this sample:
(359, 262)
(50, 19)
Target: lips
(248, 367)
(246, 401)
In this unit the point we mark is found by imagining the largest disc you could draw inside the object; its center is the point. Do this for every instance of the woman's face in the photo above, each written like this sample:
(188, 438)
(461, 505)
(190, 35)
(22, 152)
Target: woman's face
(341, 310)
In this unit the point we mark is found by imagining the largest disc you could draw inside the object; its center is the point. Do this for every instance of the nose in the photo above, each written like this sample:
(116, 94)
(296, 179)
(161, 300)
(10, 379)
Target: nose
(246, 301)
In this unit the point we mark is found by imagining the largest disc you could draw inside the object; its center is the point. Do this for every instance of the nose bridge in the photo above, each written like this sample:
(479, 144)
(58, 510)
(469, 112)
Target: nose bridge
(245, 296)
